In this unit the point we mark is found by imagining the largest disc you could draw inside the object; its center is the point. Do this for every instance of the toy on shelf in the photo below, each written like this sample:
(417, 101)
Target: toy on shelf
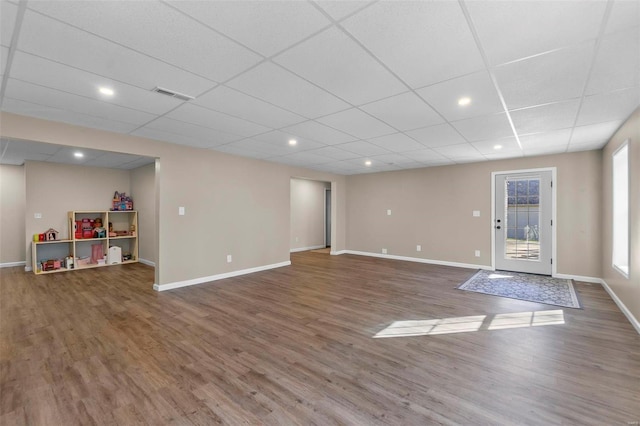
(51, 235)
(121, 202)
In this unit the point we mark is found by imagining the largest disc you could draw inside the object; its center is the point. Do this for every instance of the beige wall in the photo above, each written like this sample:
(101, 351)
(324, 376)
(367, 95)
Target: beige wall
(233, 205)
(143, 192)
(54, 189)
(433, 207)
(12, 202)
(307, 213)
(627, 289)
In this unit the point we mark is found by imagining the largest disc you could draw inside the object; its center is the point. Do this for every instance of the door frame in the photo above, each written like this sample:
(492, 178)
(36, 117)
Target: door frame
(554, 186)
(325, 216)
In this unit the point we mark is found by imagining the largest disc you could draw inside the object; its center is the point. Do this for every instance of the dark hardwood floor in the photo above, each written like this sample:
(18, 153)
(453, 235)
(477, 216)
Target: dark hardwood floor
(295, 346)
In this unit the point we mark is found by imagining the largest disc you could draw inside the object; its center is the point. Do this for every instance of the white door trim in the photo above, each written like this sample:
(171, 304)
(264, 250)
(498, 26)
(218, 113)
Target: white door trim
(554, 192)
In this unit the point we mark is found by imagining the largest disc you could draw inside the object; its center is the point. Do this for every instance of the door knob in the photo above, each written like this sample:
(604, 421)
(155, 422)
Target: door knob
(498, 227)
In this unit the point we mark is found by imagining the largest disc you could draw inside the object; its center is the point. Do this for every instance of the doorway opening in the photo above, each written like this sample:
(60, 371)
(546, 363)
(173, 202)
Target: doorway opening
(311, 207)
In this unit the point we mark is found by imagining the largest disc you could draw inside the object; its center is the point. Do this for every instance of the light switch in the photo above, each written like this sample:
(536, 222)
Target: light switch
(37, 215)
(389, 212)
(181, 211)
(476, 213)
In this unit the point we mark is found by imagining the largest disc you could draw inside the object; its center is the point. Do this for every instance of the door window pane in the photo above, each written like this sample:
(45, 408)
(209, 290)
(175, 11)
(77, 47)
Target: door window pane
(522, 218)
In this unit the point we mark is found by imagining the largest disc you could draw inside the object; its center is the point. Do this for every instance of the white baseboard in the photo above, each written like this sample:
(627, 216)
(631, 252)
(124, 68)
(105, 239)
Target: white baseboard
(147, 262)
(419, 260)
(579, 278)
(195, 281)
(633, 320)
(339, 252)
(295, 250)
(12, 264)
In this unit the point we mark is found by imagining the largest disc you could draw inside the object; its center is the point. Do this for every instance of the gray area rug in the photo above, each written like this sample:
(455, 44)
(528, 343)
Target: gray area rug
(529, 287)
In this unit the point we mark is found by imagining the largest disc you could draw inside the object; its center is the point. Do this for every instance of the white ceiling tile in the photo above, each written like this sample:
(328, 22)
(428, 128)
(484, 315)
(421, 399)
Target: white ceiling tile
(267, 27)
(56, 114)
(508, 145)
(539, 142)
(32, 93)
(357, 123)
(319, 132)
(162, 135)
(159, 31)
(617, 62)
(460, 153)
(595, 135)
(205, 136)
(335, 153)
(404, 112)
(8, 13)
(336, 63)
(18, 159)
(112, 160)
(545, 117)
(427, 156)
(550, 150)
(478, 87)
(363, 148)
(302, 159)
(488, 127)
(43, 36)
(215, 120)
(280, 87)
(143, 161)
(503, 155)
(518, 29)
(4, 56)
(611, 106)
(395, 159)
(281, 138)
(25, 147)
(254, 145)
(585, 147)
(551, 77)
(625, 14)
(422, 42)
(241, 151)
(397, 142)
(230, 101)
(339, 9)
(66, 155)
(43, 72)
(439, 135)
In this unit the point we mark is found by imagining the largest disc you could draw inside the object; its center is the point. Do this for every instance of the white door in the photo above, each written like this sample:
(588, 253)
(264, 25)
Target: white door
(522, 227)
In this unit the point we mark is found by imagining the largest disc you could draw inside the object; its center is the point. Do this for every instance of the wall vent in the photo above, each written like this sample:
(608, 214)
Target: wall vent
(173, 94)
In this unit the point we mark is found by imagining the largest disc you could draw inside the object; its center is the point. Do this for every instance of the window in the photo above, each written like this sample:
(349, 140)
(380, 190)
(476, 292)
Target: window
(620, 255)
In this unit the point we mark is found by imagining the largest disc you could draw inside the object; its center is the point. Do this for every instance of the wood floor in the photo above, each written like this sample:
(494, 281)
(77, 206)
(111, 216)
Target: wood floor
(295, 346)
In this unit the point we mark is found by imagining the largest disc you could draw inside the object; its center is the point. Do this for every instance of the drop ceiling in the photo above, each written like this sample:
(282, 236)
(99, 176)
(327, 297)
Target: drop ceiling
(350, 81)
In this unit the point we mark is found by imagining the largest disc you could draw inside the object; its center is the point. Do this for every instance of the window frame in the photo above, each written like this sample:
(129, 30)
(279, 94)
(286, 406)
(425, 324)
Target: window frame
(622, 269)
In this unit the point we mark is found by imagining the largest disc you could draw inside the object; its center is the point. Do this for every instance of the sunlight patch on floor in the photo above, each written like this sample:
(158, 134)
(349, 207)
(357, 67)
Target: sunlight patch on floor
(412, 328)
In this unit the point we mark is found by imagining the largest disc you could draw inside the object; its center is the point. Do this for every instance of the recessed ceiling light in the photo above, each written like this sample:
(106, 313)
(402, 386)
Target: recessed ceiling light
(367, 163)
(293, 142)
(106, 91)
(464, 101)
(497, 147)
(78, 154)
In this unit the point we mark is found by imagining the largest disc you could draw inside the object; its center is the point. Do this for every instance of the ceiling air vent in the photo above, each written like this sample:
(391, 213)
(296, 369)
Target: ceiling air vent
(173, 94)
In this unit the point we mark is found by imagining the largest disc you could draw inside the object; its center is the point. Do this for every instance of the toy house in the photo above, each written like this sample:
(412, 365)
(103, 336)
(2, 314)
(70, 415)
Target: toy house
(51, 235)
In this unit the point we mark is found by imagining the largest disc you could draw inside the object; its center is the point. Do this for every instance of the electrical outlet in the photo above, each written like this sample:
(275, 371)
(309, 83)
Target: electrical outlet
(37, 215)
(476, 213)
(477, 253)
(384, 251)
(297, 239)
(418, 248)
(181, 211)
(229, 258)
(389, 212)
